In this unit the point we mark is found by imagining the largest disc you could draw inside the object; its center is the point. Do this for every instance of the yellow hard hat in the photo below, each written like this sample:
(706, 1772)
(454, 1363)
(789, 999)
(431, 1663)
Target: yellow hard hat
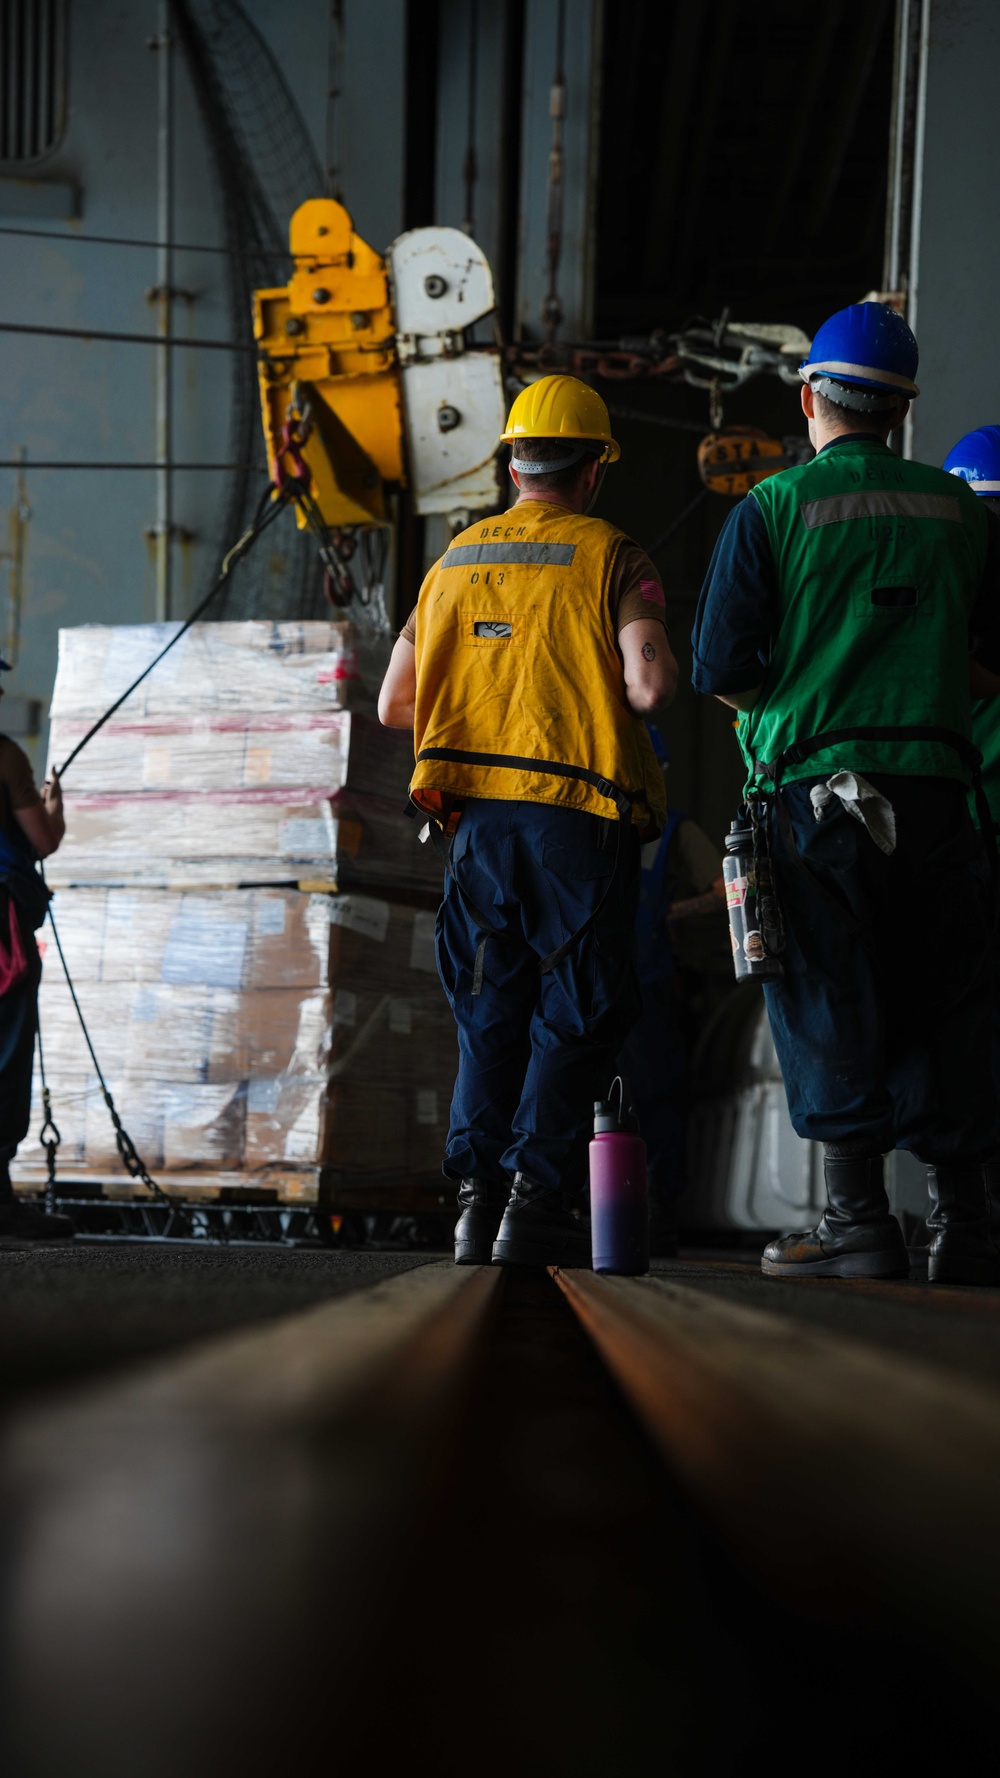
(561, 407)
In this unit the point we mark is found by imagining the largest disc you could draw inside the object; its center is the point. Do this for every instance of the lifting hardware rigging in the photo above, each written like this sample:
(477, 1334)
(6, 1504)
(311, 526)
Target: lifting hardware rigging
(271, 505)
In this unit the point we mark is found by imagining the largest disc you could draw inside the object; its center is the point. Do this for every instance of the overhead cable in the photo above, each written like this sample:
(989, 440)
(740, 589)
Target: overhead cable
(264, 516)
(128, 339)
(54, 234)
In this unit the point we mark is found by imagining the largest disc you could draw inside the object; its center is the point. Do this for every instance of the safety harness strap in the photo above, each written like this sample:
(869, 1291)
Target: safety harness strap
(555, 768)
(800, 751)
(442, 846)
(622, 799)
(967, 752)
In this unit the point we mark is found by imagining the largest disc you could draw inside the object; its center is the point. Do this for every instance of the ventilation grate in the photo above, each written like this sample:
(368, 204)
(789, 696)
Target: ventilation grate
(32, 79)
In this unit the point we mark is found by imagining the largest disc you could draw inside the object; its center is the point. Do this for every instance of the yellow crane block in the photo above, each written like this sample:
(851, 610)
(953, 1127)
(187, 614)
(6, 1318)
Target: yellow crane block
(328, 346)
(734, 461)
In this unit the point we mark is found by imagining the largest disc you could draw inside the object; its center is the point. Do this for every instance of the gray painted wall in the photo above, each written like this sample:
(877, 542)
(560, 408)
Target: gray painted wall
(953, 307)
(88, 559)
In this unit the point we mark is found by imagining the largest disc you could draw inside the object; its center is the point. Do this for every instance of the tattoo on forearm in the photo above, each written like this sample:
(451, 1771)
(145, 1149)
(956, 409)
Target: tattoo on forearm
(648, 652)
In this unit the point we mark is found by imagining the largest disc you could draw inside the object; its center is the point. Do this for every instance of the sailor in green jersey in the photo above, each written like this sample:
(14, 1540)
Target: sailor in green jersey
(976, 460)
(850, 606)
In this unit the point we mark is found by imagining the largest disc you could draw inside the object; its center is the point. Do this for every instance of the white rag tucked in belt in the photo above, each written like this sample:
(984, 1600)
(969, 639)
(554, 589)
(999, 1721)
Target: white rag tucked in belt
(863, 801)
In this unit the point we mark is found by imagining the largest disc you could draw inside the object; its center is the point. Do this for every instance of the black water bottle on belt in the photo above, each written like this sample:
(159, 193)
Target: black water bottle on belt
(754, 918)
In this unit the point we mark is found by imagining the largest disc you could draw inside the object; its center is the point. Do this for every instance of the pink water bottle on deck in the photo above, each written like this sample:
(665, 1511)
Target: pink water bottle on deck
(619, 1202)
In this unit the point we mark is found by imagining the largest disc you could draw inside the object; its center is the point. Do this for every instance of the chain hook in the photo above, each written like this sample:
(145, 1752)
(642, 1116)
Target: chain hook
(50, 1138)
(294, 435)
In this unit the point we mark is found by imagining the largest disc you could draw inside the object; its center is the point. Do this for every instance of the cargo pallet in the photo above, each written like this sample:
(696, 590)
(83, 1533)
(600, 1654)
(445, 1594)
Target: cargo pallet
(253, 1219)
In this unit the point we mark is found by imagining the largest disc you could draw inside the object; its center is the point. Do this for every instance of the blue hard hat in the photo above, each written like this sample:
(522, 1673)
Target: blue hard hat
(976, 458)
(864, 357)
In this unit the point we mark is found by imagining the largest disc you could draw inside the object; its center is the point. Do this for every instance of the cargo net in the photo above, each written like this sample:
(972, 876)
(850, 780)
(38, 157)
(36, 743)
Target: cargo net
(265, 167)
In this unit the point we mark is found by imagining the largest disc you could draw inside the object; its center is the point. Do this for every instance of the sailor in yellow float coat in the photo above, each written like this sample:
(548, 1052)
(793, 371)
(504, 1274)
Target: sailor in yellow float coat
(537, 646)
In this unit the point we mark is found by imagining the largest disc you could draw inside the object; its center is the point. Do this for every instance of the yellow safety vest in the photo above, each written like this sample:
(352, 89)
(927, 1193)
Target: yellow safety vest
(519, 681)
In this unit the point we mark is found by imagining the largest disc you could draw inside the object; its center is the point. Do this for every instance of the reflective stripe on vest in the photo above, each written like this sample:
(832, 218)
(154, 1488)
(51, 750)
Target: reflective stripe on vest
(552, 555)
(836, 509)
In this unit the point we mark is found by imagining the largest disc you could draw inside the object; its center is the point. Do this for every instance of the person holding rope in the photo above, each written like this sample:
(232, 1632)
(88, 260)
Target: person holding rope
(537, 646)
(31, 827)
(850, 606)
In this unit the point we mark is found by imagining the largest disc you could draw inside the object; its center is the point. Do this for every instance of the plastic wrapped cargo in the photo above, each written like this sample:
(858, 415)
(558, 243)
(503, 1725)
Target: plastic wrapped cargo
(250, 1028)
(247, 1033)
(251, 754)
(227, 839)
(334, 749)
(242, 667)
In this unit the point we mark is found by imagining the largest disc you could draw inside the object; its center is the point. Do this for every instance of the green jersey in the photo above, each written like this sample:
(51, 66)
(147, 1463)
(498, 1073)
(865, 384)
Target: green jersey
(879, 563)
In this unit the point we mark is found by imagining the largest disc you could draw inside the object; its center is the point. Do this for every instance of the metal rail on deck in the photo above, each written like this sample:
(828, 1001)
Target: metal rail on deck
(824, 1460)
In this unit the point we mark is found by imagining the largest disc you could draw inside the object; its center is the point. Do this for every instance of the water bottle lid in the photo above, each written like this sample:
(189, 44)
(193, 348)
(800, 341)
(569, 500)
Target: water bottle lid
(604, 1118)
(614, 1119)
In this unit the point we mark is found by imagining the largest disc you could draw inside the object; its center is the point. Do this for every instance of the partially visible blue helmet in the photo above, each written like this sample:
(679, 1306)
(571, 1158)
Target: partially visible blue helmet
(976, 458)
(659, 745)
(863, 358)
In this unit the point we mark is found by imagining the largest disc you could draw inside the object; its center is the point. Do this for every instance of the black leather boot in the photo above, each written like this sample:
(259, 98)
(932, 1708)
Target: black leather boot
(962, 1249)
(539, 1230)
(856, 1237)
(482, 1205)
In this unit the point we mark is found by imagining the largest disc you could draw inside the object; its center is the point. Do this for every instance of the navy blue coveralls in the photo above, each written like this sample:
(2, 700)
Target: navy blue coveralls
(884, 1020)
(536, 1050)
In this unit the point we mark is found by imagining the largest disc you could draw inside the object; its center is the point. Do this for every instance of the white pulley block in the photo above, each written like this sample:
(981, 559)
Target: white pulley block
(453, 397)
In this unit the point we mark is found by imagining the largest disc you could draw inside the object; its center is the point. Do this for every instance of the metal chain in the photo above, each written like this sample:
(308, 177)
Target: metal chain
(271, 505)
(334, 550)
(48, 1135)
(130, 1157)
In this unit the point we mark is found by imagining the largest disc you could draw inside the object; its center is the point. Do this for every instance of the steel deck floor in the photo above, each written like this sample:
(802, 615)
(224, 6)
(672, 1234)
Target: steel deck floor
(269, 1512)
(78, 1311)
